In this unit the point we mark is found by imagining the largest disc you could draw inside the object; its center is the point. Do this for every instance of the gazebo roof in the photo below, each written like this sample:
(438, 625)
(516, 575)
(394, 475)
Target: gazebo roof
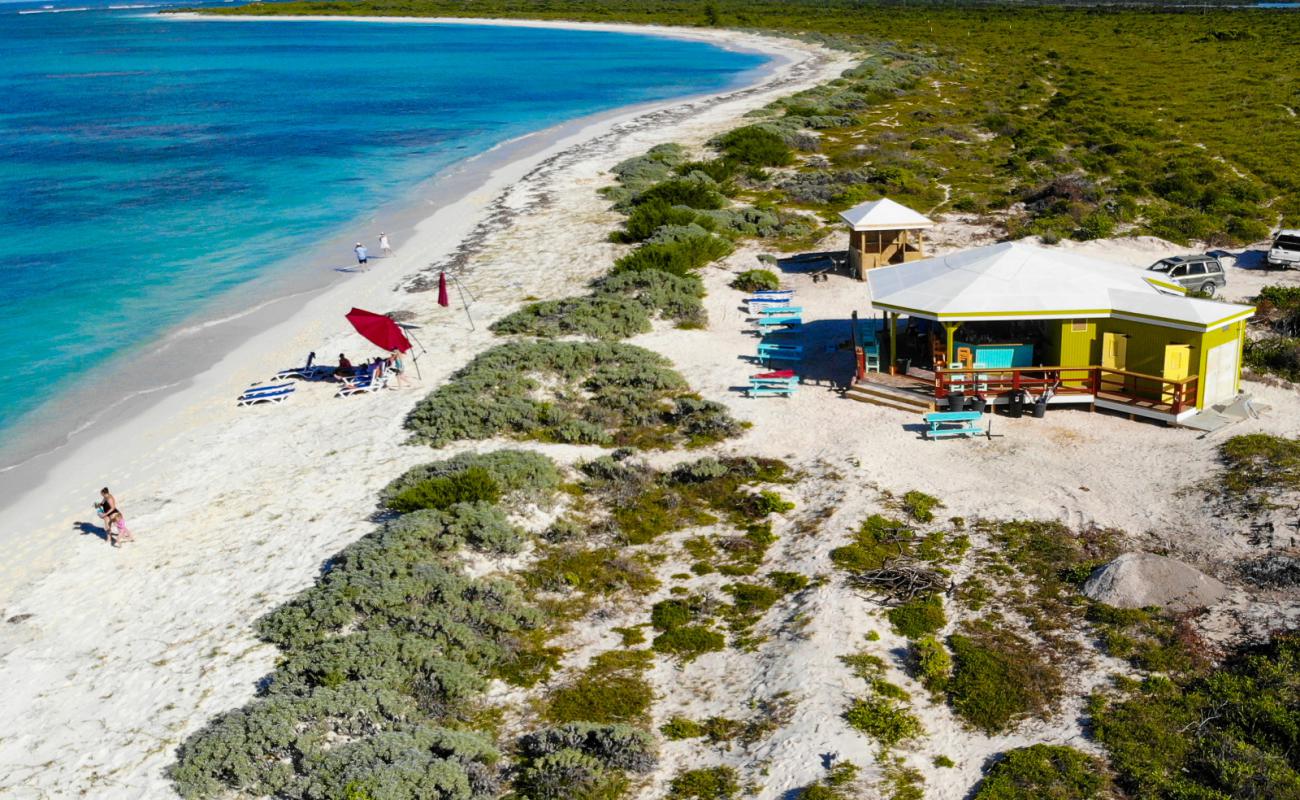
(884, 215)
(1021, 281)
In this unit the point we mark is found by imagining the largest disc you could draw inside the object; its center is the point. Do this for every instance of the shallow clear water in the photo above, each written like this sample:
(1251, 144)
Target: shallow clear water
(149, 165)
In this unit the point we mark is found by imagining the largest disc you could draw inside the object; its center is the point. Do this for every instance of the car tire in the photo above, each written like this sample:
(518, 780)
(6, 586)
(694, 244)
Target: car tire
(1208, 288)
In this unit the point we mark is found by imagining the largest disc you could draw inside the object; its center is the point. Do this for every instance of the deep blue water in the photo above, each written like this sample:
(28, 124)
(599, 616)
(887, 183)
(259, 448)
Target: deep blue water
(149, 165)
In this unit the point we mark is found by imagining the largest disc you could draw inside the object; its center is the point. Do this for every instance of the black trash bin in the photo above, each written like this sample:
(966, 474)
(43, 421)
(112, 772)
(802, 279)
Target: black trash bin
(956, 401)
(1040, 408)
(1016, 404)
(974, 403)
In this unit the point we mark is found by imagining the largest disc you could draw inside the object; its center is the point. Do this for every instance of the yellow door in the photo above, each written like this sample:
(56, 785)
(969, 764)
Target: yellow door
(1114, 356)
(1178, 360)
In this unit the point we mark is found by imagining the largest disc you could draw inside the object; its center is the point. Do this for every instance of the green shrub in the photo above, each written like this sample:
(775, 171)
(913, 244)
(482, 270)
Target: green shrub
(997, 679)
(649, 216)
(755, 146)
(472, 485)
(1044, 771)
(931, 663)
(675, 257)
(600, 392)
(689, 193)
(920, 506)
(688, 642)
(519, 474)
(611, 690)
(714, 783)
(569, 774)
(750, 598)
(884, 719)
(877, 541)
(620, 747)
(681, 728)
(719, 170)
(600, 317)
(674, 297)
(754, 279)
(603, 570)
(943, 762)
(919, 617)
(667, 615)
(788, 582)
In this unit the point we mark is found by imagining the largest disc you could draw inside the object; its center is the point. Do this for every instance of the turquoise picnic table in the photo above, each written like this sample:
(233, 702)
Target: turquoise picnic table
(955, 423)
(774, 310)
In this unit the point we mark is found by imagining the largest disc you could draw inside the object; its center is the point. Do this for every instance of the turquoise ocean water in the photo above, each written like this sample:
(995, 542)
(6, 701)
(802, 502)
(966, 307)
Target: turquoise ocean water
(150, 166)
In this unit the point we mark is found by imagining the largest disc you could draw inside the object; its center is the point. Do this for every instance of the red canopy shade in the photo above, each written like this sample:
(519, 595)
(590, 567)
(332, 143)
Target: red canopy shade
(380, 330)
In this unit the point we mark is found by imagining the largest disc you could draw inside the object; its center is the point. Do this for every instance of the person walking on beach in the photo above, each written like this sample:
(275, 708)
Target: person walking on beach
(112, 517)
(396, 367)
(384, 246)
(362, 257)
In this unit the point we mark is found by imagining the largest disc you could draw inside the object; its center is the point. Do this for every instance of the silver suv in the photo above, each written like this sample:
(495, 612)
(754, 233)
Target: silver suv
(1203, 274)
(1285, 251)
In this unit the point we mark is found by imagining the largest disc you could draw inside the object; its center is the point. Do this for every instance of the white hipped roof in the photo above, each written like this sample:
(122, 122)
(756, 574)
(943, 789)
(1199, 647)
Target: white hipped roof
(1021, 281)
(884, 215)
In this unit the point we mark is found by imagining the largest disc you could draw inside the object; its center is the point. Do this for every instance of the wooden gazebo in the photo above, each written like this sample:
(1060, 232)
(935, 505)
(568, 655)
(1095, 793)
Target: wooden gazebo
(883, 233)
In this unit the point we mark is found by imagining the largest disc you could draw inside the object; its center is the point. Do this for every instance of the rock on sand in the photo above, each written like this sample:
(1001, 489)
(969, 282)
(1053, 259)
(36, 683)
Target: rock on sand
(1138, 580)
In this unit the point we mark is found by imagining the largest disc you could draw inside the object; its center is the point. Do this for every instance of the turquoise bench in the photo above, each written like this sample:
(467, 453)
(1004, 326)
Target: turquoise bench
(789, 311)
(759, 387)
(768, 351)
(955, 423)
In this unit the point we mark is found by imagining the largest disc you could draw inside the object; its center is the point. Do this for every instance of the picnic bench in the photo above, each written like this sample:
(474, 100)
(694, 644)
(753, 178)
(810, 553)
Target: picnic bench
(775, 351)
(955, 423)
(789, 311)
(780, 322)
(773, 384)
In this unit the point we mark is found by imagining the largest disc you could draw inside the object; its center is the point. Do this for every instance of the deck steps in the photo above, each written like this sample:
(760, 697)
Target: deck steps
(900, 399)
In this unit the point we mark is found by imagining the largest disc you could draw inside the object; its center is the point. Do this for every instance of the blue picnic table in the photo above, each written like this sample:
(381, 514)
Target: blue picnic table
(955, 423)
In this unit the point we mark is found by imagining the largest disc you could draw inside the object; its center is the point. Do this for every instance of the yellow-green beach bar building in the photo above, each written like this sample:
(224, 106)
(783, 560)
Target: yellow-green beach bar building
(995, 320)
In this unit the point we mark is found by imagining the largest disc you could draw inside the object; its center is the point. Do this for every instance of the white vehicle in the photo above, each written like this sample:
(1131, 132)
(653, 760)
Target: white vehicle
(1285, 251)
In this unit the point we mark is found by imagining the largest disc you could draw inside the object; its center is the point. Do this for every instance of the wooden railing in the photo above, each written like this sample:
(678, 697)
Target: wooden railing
(1178, 394)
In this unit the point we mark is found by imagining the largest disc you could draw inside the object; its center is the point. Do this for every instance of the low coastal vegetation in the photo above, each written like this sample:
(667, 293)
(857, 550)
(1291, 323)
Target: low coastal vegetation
(381, 688)
(573, 392)
(1011, 113)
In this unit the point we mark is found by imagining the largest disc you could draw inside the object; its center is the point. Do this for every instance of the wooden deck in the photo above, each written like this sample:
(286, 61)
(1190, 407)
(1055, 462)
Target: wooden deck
(1096, 387)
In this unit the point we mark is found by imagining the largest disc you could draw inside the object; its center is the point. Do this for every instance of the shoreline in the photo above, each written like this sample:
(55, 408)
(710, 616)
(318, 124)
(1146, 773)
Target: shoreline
(234, 509)
(224, 323)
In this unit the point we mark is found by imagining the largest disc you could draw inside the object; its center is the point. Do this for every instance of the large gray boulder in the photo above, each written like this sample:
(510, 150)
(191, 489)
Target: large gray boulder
(1139, 580)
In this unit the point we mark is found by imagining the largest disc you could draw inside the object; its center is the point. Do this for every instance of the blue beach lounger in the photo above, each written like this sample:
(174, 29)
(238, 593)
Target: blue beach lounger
(266, 394)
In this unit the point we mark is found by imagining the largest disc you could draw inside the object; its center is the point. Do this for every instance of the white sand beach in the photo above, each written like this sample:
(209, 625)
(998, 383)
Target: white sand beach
(110, 658)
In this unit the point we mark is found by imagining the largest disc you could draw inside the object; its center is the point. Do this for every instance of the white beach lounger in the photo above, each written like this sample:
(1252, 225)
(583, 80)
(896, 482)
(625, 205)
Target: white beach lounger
(362, 387)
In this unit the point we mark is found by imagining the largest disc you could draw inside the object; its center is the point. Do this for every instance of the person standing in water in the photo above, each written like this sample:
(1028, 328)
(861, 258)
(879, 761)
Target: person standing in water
(363, 258)
(384, 246)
